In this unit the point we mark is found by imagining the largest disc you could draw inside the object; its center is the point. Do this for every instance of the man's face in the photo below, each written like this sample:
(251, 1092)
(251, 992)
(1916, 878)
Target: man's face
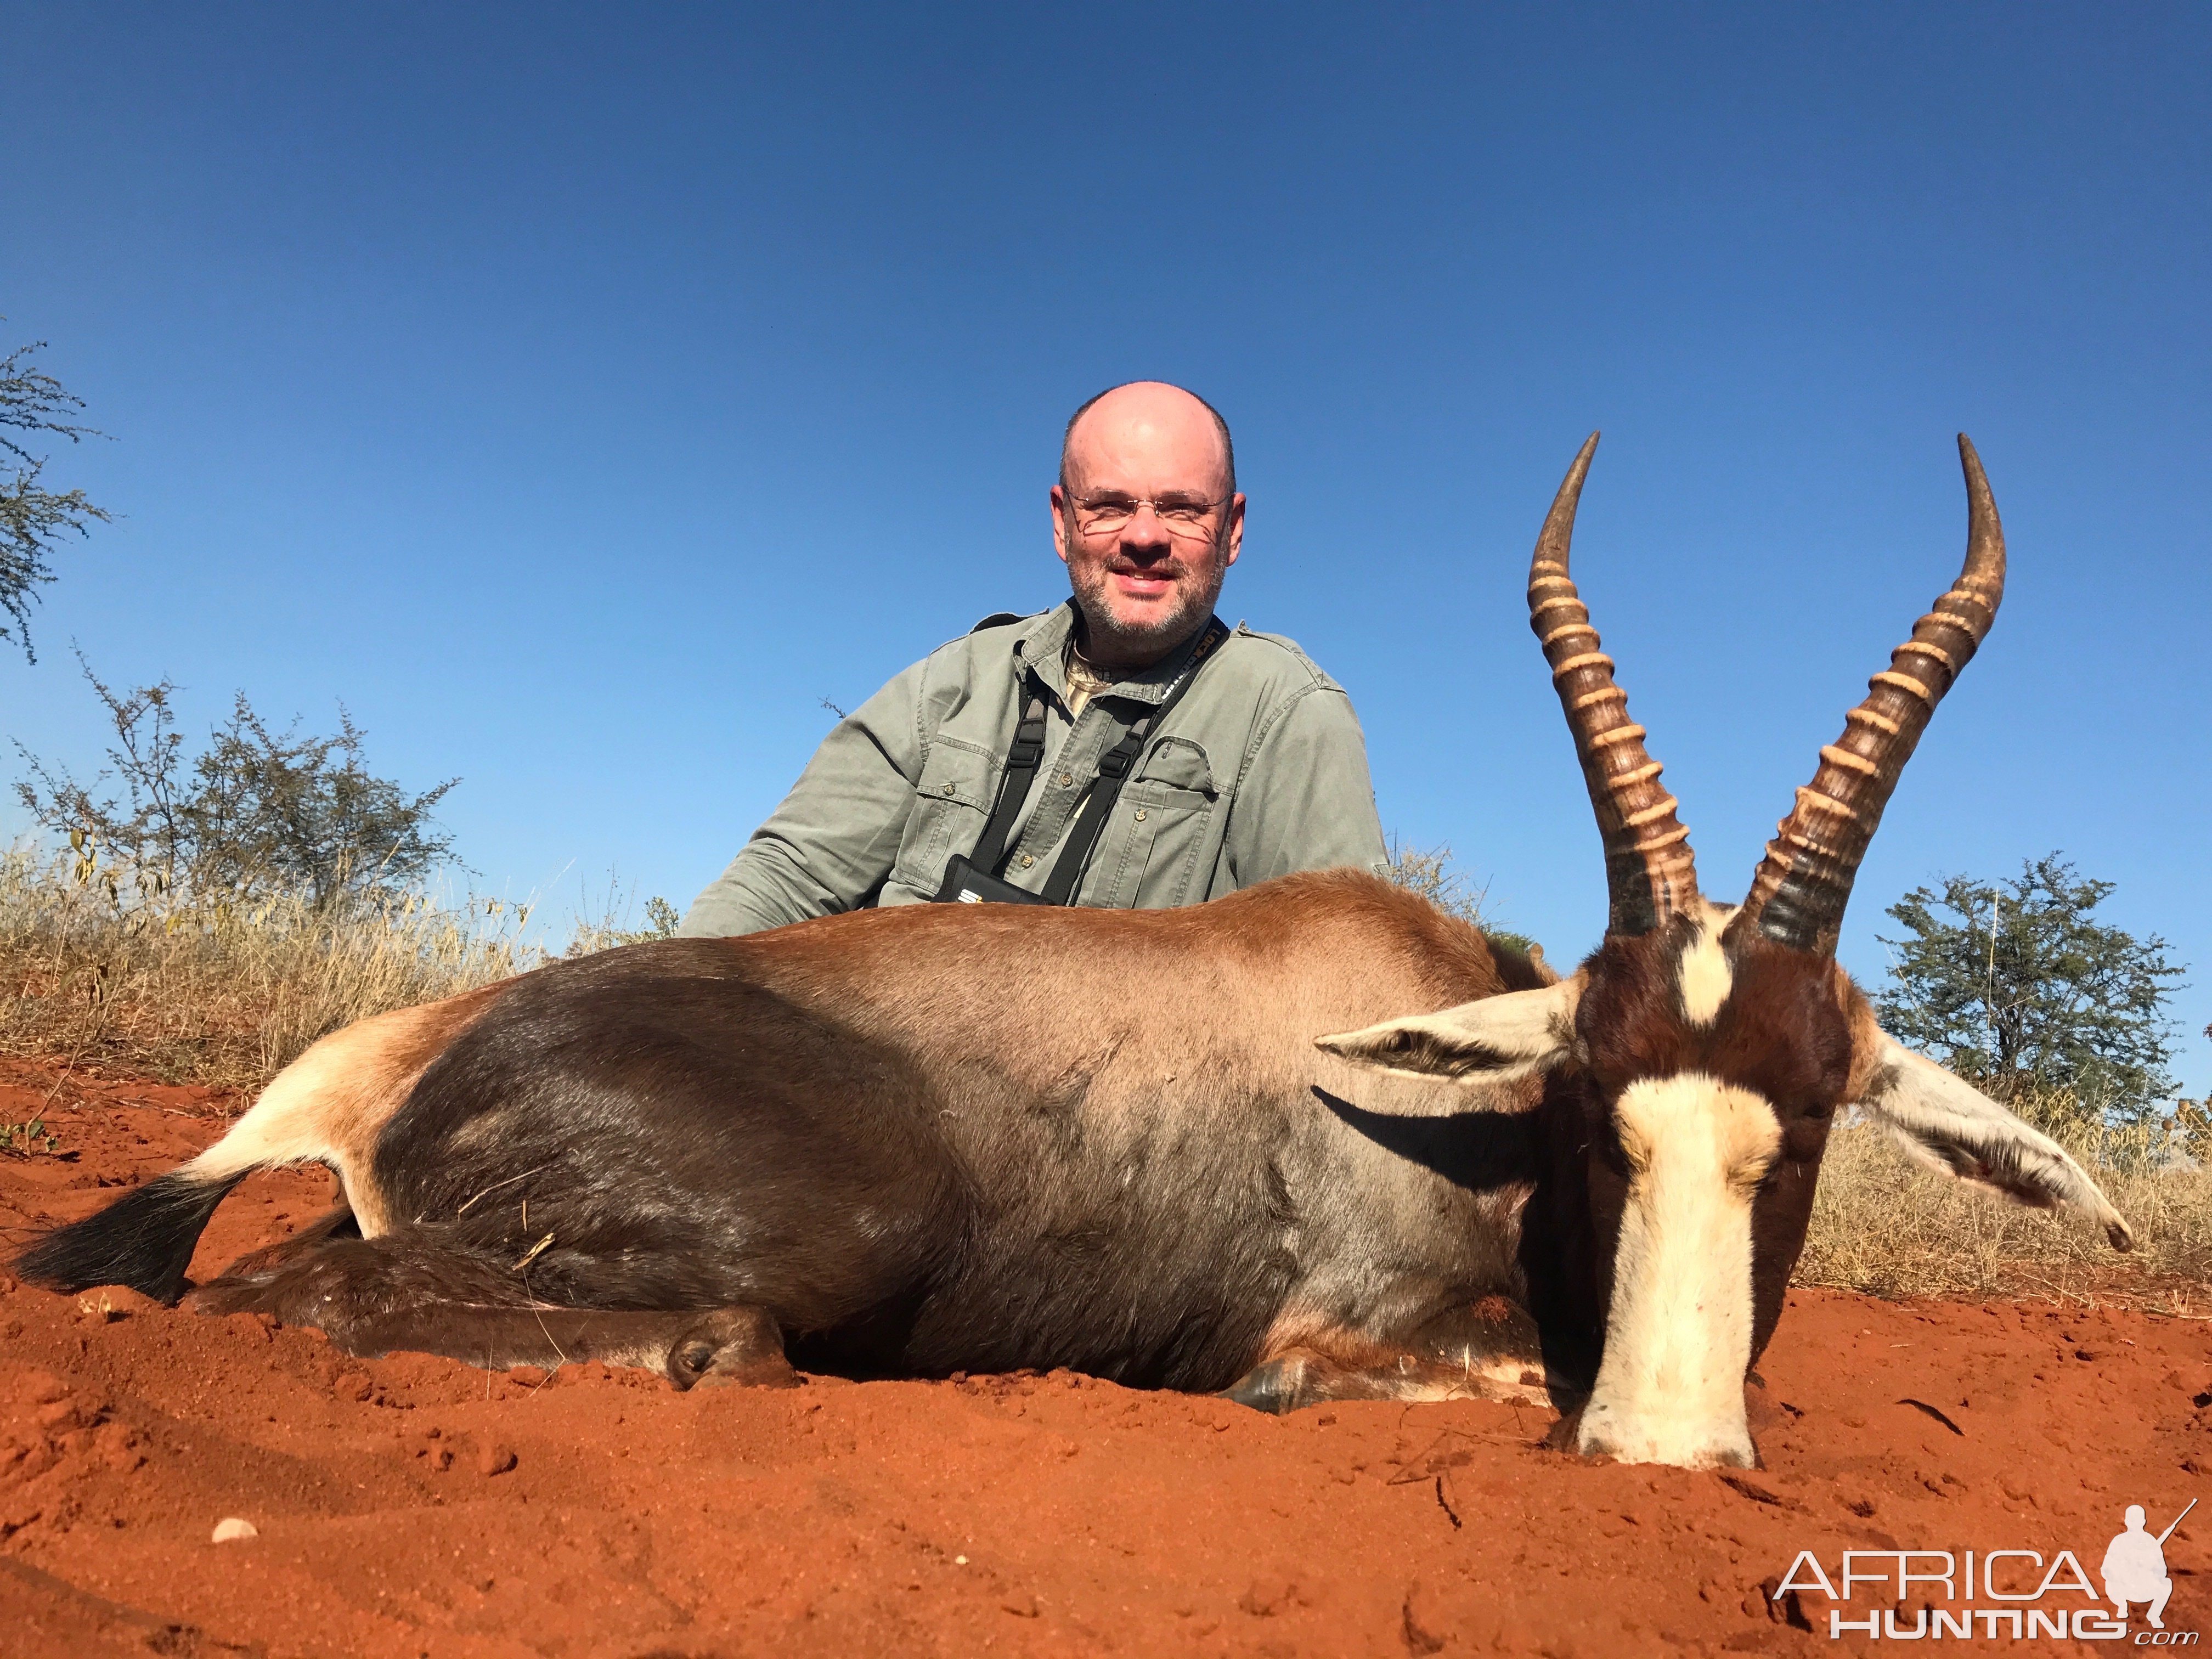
(1146, 579)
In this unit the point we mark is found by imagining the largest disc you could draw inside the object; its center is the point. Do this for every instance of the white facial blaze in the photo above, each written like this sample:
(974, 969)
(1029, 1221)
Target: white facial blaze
(1678, 1336)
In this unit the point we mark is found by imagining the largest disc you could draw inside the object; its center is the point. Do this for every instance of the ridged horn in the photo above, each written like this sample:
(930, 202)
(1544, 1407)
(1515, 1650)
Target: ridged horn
(1649, 873)
(1802, 884)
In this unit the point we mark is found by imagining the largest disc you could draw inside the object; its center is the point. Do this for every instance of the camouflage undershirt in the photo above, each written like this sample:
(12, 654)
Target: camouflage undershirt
(1084, 682)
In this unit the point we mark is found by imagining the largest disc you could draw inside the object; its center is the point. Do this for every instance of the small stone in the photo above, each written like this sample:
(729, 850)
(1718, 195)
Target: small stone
(104, 1304)
(494, 1459)
(231, 1528)
(528, 1376)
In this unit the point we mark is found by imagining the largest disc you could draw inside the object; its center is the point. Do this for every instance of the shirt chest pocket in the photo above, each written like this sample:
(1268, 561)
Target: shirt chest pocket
(950, 805)
(1168, 812)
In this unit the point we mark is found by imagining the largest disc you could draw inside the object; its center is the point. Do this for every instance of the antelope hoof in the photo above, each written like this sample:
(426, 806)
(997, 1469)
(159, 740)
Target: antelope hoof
(730, 1347)
(1276, 1387)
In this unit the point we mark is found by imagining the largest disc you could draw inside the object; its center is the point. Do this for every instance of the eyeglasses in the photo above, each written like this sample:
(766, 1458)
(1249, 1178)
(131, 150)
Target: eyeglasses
(1180, 515)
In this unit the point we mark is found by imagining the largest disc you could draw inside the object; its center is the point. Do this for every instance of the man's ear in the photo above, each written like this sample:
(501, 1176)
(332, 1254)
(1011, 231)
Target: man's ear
(1062, 531)
(1496, 1040)
(1945, 1121)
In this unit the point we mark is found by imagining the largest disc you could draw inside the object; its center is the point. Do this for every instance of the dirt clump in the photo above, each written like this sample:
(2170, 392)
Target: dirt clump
(412, 1505)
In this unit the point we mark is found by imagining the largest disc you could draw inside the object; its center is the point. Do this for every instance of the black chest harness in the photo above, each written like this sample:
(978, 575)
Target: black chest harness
(975, 878)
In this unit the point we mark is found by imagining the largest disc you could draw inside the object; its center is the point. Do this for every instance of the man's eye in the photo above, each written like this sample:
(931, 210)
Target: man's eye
(1110, 505)
(1184, 512)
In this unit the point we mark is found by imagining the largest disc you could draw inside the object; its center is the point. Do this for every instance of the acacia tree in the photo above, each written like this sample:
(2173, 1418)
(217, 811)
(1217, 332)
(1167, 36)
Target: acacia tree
(33, 518)
(254, 813)
(2014, 984)
(1436, 876)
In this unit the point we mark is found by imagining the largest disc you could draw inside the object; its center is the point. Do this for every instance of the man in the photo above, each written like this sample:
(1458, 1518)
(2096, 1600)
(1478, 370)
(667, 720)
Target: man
(2135, 1568)
(1256, 770)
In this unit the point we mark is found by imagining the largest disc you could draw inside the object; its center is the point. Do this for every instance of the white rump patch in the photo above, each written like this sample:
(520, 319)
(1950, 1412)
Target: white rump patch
(1678, 1336)
(292, 1123)
(329, 1105)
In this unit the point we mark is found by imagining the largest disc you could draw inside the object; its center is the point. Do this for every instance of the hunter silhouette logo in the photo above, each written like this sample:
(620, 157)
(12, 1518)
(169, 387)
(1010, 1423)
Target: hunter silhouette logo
(2135, 1566)
(2030, 1595)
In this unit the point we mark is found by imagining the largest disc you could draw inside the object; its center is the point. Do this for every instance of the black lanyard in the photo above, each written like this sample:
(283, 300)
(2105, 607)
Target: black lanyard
(1022, 760)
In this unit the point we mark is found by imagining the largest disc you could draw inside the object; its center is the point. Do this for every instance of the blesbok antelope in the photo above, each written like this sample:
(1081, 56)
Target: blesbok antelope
(984, 1137)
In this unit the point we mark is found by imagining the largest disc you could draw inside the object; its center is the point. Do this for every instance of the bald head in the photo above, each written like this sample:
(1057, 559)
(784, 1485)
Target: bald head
(1147, 519)
(1148, 418)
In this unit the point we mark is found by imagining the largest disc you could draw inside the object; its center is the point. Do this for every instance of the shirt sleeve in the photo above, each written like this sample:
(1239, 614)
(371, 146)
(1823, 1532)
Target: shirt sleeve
(1306, 801)
(831, 843)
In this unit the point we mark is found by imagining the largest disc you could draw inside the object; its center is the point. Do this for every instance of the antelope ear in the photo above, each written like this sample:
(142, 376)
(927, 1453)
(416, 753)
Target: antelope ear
(1495, 1040)
(1945, 1122)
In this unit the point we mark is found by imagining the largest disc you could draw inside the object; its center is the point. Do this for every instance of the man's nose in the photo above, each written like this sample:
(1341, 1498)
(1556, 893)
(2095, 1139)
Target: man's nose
(1145, 532)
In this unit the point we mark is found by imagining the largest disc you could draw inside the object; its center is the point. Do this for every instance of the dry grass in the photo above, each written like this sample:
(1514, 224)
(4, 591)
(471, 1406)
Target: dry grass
(1885, 1225)
(94, 977)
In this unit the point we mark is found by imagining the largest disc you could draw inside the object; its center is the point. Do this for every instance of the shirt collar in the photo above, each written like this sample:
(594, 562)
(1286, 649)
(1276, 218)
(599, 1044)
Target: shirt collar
(1040, 646)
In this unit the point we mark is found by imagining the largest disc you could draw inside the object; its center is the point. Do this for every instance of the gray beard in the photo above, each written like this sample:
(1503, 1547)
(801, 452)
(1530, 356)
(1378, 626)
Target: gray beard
(1103, 638)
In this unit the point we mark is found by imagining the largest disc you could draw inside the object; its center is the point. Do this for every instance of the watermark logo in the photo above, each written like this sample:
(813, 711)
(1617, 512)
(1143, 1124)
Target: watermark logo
(2019, 1581)
(2135, 1567)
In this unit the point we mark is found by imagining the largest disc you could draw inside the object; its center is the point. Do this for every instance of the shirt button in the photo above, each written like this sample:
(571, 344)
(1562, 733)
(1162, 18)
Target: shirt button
(1067, 778)
(1028, 859)
(1140, 815)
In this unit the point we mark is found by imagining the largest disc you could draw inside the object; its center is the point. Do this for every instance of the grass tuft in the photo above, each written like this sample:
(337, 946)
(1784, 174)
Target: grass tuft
(221, 994)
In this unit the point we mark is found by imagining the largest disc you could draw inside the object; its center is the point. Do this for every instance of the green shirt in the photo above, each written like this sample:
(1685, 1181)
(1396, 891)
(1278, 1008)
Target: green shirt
(1259, 770)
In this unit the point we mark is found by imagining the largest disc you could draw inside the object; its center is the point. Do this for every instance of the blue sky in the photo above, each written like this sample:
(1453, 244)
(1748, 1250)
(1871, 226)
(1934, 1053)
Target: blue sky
(584, 395)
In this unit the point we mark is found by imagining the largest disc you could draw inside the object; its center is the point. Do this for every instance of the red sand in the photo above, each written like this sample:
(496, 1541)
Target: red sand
(412, 1505)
